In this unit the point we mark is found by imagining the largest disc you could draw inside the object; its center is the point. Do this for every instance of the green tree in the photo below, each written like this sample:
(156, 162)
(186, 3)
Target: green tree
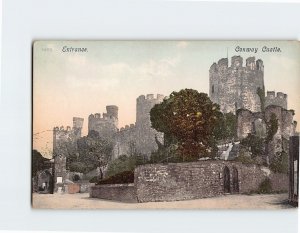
(272, 127)
(190, 117)
(38, 162)
(225, 129)
(94, 151)
(261, 93)
(254, 144)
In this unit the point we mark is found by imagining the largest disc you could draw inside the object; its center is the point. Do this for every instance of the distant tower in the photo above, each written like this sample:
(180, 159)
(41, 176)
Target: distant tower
(77, 127)
(112, 113)
(107, 125)
(63, 140)
(144, 132)
(235, 87)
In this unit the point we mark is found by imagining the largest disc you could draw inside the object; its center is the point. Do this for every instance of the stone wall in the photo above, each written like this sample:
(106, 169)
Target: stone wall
(116, 192)
(182, 181)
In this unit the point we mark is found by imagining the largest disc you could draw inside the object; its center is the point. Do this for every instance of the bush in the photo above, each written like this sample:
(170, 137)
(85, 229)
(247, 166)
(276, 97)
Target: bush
(244, 159)
(95, 179)
(265, 187)
(121, 164)
(125, 177)
(280, 164)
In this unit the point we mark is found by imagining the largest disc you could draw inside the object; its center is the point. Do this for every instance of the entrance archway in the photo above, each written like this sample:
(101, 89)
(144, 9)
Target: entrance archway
(235, 180)
(226, 176)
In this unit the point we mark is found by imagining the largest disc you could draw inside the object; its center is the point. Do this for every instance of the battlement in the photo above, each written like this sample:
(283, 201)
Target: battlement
(112, 112)
(127, 127)
(237, 62)
(159, 97)
(223, 62)
(62, 129)
(279, 99)
(77, 122)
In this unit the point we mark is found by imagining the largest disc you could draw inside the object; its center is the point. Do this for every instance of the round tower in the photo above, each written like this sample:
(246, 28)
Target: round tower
(77, 122)
(112, 111)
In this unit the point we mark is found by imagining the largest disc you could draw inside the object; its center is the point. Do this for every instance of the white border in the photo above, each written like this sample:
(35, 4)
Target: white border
(25, 21)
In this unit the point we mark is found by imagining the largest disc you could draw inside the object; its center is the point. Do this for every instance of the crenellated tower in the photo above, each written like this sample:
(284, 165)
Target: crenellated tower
(145, 134)
(106, 125)
(235, 87)
(64, 142)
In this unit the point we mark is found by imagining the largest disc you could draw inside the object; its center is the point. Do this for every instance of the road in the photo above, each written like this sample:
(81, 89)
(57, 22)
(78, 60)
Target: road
(82, 201)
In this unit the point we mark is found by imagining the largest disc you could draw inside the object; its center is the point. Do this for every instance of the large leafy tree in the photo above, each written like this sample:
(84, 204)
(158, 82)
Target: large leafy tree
(190, 117)
(94, 151)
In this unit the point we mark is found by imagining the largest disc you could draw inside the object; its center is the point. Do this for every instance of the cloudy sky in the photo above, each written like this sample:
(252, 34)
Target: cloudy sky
(67, 84)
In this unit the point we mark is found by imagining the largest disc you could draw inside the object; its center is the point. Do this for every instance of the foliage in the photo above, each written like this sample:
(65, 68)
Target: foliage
(265, 187)
(38, 162)
(190, 118)
(272, 127)
(93, 152)
(121, 164)
(95, 179)
(261, 93)
(125, 177)
(254, 144)
(244, 159)
(225, 128)
(280, 164)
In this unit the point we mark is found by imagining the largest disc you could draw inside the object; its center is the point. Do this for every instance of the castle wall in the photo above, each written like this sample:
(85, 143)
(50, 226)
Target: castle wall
(125, 141)
(279, 99)
(235, 87)
(106, 125)
(139, 138)
(248, 123)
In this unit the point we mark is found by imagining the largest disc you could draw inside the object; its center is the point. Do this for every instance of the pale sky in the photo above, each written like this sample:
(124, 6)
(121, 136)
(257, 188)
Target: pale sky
(69, 84)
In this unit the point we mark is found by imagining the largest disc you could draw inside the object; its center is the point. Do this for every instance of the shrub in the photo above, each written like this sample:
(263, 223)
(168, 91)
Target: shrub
(280, 163)
(265, 187)
(95, 179)
(121, 178)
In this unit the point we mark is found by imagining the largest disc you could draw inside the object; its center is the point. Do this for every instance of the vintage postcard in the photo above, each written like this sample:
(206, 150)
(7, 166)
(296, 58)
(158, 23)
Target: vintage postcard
(165, 124)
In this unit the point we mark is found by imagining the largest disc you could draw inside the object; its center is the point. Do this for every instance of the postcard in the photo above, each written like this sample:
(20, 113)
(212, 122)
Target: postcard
(165, 124)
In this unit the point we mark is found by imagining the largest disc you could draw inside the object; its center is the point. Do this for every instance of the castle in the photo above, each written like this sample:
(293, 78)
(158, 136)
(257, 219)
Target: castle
(236, 86)
(139, 138)
(235, 89)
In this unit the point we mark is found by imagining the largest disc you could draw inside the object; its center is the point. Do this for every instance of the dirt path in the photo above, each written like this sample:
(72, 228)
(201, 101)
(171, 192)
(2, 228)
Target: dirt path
(82, 201)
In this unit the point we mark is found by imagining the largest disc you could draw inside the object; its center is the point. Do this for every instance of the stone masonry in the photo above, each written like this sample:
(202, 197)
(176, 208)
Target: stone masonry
(255, 123)
(139, 137)
(235, 87)
(63, 138)
(184, 181)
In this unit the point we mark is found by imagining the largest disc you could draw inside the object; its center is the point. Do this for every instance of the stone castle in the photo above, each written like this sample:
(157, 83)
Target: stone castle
(235, 89)
(139, 138)
(134, 138)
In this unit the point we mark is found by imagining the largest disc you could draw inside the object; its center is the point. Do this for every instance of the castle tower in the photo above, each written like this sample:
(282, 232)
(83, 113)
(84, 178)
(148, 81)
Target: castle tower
(144, 132)
(112, 113)
(77, 127)
(106, 125)
(235, 87)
